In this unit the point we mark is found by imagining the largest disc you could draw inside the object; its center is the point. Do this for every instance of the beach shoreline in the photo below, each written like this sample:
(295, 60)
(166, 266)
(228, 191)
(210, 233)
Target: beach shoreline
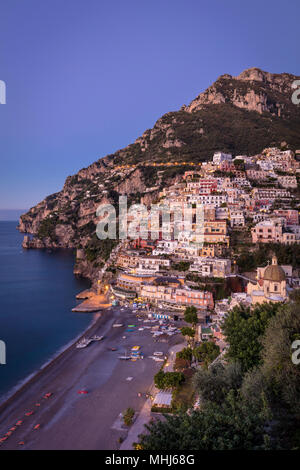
(70, 419)
(17, 390)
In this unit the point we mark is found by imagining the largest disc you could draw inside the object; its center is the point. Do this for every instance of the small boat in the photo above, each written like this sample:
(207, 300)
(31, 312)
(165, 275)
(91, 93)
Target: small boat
(96, 338)
(83, 343)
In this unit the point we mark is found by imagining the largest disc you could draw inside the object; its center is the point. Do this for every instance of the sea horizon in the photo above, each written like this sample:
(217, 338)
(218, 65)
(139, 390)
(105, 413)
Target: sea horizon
(11, 215)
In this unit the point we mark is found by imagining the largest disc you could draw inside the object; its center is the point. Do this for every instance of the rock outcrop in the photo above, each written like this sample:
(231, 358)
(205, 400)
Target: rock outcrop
(253, 90)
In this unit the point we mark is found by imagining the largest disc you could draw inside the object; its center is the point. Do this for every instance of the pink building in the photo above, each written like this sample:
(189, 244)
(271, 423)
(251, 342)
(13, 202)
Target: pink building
(200, 299)
(259, 175)
(272, 230)
(291, 216)
(227, 166)
(177, 296)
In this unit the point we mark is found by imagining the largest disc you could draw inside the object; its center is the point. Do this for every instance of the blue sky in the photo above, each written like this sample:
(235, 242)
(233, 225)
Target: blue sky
(87, 77)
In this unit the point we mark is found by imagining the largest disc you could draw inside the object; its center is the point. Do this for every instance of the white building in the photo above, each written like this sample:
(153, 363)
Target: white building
(166, 247)
(220, 157)
(211, 267)
(287, 181)
(208, 199)
(153, 262)
(237, 218)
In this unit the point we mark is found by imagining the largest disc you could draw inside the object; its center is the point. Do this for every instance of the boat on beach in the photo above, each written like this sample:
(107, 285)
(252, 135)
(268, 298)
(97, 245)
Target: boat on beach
(96, 338)
(86, 341)
(83, 343)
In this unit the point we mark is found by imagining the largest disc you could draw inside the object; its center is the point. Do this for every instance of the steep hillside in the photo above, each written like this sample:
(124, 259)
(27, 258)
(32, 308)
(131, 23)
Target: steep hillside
(241, 115)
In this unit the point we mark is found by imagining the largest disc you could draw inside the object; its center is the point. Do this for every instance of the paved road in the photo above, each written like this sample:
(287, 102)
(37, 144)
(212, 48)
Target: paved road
(72, 421)
(169, 367)
(145, 413)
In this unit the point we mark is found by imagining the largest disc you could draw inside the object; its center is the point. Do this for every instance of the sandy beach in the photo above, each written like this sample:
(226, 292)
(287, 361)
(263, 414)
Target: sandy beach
(69, 420)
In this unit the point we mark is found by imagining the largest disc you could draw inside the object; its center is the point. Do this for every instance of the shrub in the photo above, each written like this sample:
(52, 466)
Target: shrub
(128, 416)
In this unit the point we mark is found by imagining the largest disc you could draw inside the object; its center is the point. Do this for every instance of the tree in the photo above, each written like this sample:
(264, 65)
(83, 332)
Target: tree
(159, 379)
(227, 426)
(165, 380)
(254, 389)
(244, 328)
(190, 315)
(214, 384)
(239, 163)
(206, 352)
(278, 368)
(181, 266)
(128, 416)
(189, 332)
(173, 379)
(277, 380)
(185, 353)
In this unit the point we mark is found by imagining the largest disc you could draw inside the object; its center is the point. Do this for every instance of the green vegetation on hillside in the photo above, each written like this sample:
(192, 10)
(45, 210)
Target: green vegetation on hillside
(224, 126)
(47, 228)
(286, 254)
(252, 401)
(99, 248)
(243, 328)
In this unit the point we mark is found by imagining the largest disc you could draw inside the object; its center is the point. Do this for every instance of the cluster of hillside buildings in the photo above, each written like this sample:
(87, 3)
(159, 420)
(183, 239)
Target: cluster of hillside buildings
(255, 195)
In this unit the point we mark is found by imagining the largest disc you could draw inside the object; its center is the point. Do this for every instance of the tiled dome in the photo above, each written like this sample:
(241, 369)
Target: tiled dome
(274, 272)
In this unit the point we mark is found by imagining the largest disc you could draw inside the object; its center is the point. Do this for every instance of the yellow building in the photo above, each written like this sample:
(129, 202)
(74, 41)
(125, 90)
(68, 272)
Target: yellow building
(270, 285)
(215, 231)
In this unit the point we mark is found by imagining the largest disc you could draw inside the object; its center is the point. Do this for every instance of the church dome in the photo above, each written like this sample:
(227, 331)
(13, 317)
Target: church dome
(274, 272)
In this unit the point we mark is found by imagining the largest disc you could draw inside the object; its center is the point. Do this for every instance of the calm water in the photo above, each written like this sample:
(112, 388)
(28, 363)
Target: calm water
(37, 292)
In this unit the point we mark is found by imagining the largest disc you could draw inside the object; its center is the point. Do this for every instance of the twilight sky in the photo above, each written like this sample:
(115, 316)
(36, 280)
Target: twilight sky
(87, 77)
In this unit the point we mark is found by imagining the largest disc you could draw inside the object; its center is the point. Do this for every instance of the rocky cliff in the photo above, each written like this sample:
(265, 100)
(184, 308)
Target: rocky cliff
(253, 90)
(241, 115)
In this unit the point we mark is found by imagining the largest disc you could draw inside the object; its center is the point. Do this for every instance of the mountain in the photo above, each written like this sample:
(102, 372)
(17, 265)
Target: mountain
(240, 115)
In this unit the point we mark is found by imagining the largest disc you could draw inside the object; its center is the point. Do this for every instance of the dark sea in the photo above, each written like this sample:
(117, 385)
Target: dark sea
(37, 293)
